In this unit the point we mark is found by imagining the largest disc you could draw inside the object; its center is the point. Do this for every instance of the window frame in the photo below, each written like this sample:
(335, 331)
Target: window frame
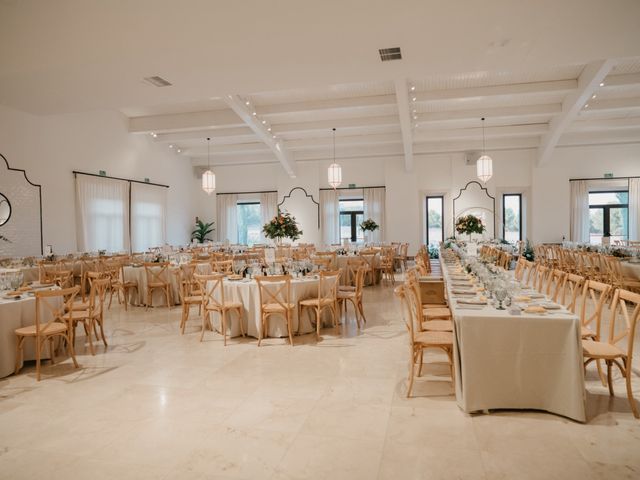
(441, 197)
(245, 202)
(353, 214)
(504, 223)
(606, 210)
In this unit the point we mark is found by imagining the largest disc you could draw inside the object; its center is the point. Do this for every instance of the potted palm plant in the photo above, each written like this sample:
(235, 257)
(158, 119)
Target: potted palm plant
(202, 230)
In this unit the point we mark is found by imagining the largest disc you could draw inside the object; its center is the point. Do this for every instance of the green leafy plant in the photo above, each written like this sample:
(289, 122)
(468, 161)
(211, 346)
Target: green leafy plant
(434, 252)
(202, 230)
(283, 225)
(469, 224)
(369, 225)
(528, 252)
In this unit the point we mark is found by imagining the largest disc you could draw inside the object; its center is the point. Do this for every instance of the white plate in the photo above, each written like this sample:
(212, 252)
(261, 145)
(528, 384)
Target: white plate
(550, 306)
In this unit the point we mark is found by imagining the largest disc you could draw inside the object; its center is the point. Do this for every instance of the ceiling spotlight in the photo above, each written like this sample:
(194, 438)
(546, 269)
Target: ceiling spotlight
(254, 114)
(586, 106)
(602, 84)
(413, 88)
(594, 96)
(415, 117)
(414, 99)
(171, 146)
(247, 102)
(273, 136)
(269, 129)
(179, 151)
(264, 122)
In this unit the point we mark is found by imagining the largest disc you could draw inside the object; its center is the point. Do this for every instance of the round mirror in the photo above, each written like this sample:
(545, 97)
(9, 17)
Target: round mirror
(5, 209)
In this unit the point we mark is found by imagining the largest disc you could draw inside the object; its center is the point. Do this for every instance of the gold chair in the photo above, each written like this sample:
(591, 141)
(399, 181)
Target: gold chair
(387, 266)
(157, 275)
(618, 278)
(354, 296)
(419, 341)
(613, 350)
(59, 325)
(327, 298)
(213, 301)
(275, 299)
(370, 259)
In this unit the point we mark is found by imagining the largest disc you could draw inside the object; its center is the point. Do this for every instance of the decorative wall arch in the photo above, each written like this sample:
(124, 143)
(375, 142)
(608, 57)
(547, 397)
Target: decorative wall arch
(24, 228)
(481, 204)
(307, 195)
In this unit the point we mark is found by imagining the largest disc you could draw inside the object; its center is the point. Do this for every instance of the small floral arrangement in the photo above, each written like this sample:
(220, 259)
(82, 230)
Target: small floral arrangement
(469, 224)
(283, 225)
(369, 225)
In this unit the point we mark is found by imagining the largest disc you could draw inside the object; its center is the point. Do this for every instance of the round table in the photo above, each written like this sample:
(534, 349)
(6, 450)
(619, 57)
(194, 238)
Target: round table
(247, 293)
(342, 260)
(631, 270)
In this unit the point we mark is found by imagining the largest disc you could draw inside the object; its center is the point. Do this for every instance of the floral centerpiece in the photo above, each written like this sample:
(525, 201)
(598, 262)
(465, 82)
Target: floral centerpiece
(369, 225)
(469, 224)
(281, 226)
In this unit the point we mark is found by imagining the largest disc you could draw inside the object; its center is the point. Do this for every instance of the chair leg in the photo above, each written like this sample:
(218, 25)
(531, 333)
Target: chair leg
(51, 353)
(104, 339)
(262, 326)
(204, 324)
(71, 351)
(317, 323)
(240, 322)
(609, 379)
(19, 355)
(600, 372)
(421, 362)
(289, 326)
(411, 373)
(223, 322)
(632, 402)
(37, 359)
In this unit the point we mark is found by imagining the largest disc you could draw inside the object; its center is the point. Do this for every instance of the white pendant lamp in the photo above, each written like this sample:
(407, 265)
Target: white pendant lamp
(484, 165)
(208, 177)
(334, 173)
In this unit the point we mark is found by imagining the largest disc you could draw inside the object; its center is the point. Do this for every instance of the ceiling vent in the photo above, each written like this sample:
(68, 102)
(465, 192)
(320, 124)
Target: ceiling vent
(388, 54)
(157, 81)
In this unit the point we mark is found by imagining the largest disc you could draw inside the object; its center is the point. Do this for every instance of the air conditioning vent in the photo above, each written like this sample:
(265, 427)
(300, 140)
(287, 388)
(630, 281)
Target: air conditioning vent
(387, 54)
(157, 81)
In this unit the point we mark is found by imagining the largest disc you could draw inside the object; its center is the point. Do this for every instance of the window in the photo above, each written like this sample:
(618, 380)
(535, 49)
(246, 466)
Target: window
(608, 216)
(249, 223)
(351, 216)
(435, 230)
(148, 205)
(512, 217)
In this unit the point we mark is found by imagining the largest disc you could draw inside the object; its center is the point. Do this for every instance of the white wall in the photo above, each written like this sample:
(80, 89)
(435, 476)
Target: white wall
(49, 148)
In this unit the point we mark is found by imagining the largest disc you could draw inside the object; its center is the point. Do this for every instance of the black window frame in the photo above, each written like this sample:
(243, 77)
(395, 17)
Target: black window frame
(354, 215)
(441, 197)
(519, 195)
(606, 210)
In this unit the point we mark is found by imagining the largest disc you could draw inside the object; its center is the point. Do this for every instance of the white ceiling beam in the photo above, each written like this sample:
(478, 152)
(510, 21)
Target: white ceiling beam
(175, 122)
(490, 113)
(626, 123)
(406, 125)
(458, 146)
(346, 152)
(239, 107)
(342, 141)
(331, 104)
(341, 124)
(558, 86)
(622, 80)
(588, 82)
(575, 139)
(476, 133)
(200, 150)
(227, 160)
(215, 135)
(612, 104)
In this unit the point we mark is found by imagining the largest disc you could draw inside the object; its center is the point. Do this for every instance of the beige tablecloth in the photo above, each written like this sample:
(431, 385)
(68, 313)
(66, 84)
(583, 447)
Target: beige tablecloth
(631, 270)
(247, 293)
(16, 314)
(517, 361)
(341, 264)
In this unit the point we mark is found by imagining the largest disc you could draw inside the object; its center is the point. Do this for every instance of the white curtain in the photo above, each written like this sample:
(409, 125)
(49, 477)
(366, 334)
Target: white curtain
(634, 209)
(579, 214)
(330, 216)
(268, 209)
(374, 209)
(227, 221)
(102, 214)
(148, 216)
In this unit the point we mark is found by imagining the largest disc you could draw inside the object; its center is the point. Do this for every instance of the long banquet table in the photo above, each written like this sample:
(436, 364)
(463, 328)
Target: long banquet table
(526, 361)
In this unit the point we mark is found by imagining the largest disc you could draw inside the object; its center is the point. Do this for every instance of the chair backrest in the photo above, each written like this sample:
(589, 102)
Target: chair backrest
(573, 286)
(353, 265)
(520, 268)
(58, 303)
(223, 266)
(541, 278)
(359, 281)
(403, 293)
(530, 277)
(626, 305)
(369, 258)
(594, 295)
(555, 284)
(97, 295)
(212, 289)
(157, 272)
(275, 289)
(328, 285)
(322, 262)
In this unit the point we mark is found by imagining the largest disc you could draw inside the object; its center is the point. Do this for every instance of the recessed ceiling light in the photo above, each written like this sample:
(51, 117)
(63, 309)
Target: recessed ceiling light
(594, 96)
(247, 102)
(414, 99)
(264, 122)
(602, 84)
(413, 88)
(273, 136)
(415, 117)
(179, 150)
(269, 129)
(254, 114)
(171, 146)
(586, 106)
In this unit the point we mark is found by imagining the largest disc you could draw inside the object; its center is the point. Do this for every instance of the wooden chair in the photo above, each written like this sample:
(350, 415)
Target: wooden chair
(189, 296)
(613, 351)
(435, 314)
(275, 299)
(387, 266)
(555, 284)
(541, 278)
(323, 263)
(573, 286)
(531, 274)
(59, 325)
(402, 256)
(213, 301)
(93, 315)
(222, 266)
(618, 279)
(370, 260)
(349, 274)
(419, 341)
(354, 296)
(157, 278)
(120, 285)
(520, 268)
(594, 295)
(327, 298)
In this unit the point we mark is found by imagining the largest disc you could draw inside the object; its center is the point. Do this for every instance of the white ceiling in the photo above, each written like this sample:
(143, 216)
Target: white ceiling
(529, 67)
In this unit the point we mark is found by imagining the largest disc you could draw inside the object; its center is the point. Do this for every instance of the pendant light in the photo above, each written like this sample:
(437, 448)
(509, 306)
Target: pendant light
(484, 165)
(208, 177)
(334, 173)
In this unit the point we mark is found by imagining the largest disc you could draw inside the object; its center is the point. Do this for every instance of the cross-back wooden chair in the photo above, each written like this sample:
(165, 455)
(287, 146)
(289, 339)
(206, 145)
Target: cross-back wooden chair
(157, 275)
(594, 295)
(555, 284)
(86, 265)
(520, 268)
(94, 314)
(531, 274)
(327, 298)
(189, 291)
(420, 340)
(222, 266)
(120, 284)
(572, 288)
(349, 274)
(323, 263)
(618, 279)
(387, 265)
(370, 258)
(541, 278)
(213, 300)
(355, 297)
(57, 305)
(625, 309)
(275, 299)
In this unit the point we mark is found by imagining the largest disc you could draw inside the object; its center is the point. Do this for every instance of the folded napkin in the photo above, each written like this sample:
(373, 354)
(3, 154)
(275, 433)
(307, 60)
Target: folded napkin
(522, 298)
(463, 292)
(534, 309)
(472, 301)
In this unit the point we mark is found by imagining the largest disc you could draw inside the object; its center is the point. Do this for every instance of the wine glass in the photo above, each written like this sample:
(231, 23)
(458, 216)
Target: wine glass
(501, 295)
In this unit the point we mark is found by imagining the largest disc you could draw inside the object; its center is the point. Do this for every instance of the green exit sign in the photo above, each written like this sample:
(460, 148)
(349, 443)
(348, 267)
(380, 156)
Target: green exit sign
(352, 185)
(103, 173)
(608, 175)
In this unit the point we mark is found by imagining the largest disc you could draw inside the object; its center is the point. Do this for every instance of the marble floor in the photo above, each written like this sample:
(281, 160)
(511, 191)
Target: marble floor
(158, 405)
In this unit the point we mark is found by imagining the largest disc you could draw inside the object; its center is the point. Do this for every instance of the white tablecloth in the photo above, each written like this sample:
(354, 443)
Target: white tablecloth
(517, 361)
(247, 293)
(631, 270)
(16, 314)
